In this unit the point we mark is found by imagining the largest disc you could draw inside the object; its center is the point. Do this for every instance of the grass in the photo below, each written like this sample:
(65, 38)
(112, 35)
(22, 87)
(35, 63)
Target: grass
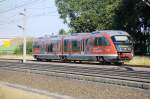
(8, 48)
(140, 60)
(29, 57)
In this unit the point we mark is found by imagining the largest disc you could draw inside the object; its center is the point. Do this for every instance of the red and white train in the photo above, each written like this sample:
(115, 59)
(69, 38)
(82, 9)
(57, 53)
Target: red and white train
(104, 46)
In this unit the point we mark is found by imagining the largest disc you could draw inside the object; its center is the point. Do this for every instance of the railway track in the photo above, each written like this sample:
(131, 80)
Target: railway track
(138, 79)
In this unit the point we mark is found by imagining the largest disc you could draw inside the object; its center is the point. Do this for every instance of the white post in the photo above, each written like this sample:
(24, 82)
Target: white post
(24, 35)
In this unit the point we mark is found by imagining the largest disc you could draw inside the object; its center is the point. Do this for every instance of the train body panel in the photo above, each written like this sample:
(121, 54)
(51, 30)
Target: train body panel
(110, 46)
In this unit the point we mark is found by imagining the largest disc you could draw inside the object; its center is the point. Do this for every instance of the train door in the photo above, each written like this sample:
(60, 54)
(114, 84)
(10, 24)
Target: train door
(87, 45)
(46, 46)
(82, 46)
(55, 46)
(42, 47)
(66, 46)
(62, 46)
(59, 47)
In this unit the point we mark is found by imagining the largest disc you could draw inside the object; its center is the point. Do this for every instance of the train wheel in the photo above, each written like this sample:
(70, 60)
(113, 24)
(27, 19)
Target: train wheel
(105, 63)
(102, 60)
(74, 61)
(118, 63)
(48, 60)
(38, 59)
(80, 61)
(62, 59)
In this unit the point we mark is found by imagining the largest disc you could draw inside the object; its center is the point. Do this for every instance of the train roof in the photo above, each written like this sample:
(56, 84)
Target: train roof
(85, 34)
(112, 32)
(52, 37)
(109, 32)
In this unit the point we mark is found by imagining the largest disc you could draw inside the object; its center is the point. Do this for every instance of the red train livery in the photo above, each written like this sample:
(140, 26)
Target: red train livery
(103, 46)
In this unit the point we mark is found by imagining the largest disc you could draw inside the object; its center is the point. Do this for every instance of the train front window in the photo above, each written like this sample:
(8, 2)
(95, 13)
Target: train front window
(121, 39)
(123, 43)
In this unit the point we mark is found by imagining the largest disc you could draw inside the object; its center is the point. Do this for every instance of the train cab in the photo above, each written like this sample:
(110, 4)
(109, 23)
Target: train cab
(124, 46)
(123, 43)
(112, 46)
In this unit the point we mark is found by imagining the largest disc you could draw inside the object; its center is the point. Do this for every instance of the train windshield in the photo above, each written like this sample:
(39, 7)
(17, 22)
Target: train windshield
(123, 43)
(122, 39)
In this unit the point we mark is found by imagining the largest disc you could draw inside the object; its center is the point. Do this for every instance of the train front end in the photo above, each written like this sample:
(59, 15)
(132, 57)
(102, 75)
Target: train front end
(124, 46)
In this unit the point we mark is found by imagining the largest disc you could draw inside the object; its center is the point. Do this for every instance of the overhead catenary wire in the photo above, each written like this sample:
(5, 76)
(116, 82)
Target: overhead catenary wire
(31, 8)
(29, 17)
(15, 21)
(36, 8)
(5, 18)
(10, 22)
(2, 1)
(20, 6)
(53, 13)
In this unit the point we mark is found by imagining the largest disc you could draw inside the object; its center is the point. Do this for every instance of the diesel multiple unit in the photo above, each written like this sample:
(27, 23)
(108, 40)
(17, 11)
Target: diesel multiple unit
(103, 46)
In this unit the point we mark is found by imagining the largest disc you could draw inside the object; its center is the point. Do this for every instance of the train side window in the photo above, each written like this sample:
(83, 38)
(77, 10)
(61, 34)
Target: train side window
(101, 41)
(50, 48)
(98, 41)
(36, 46)
(88, 42)
(105, 42)
(75, 46)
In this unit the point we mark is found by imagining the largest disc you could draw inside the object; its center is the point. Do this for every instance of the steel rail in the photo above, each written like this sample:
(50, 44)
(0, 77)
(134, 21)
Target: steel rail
(74, 67)
(140, 77)
(104, 71)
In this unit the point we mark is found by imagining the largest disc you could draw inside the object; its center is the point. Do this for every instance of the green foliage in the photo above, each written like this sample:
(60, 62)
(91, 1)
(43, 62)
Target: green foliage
(62, 32)
(91, 15)
(128, 13)
(87, 15)
(19, 49)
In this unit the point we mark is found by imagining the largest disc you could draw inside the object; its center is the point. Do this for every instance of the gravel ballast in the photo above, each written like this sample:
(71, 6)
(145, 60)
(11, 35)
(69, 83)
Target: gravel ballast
(77, 89)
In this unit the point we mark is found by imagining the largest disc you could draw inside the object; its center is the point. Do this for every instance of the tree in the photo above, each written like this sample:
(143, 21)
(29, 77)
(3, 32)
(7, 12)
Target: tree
(147, 2)
(91, 15)
(62, 32)
(87, 15)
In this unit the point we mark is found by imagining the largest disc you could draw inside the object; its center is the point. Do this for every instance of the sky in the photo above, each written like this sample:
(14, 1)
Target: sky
(42, 18)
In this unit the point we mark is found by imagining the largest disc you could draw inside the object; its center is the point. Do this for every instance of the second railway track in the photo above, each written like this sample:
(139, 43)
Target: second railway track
(139, 79)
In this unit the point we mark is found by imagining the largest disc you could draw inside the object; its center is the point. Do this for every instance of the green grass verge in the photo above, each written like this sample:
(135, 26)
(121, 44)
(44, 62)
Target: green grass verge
(140, 60)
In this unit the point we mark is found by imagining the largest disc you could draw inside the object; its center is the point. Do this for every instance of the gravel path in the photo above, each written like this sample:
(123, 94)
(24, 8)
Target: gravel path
(74, 88)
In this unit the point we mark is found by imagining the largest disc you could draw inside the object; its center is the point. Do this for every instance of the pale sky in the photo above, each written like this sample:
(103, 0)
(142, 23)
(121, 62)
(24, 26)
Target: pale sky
(42, 18)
